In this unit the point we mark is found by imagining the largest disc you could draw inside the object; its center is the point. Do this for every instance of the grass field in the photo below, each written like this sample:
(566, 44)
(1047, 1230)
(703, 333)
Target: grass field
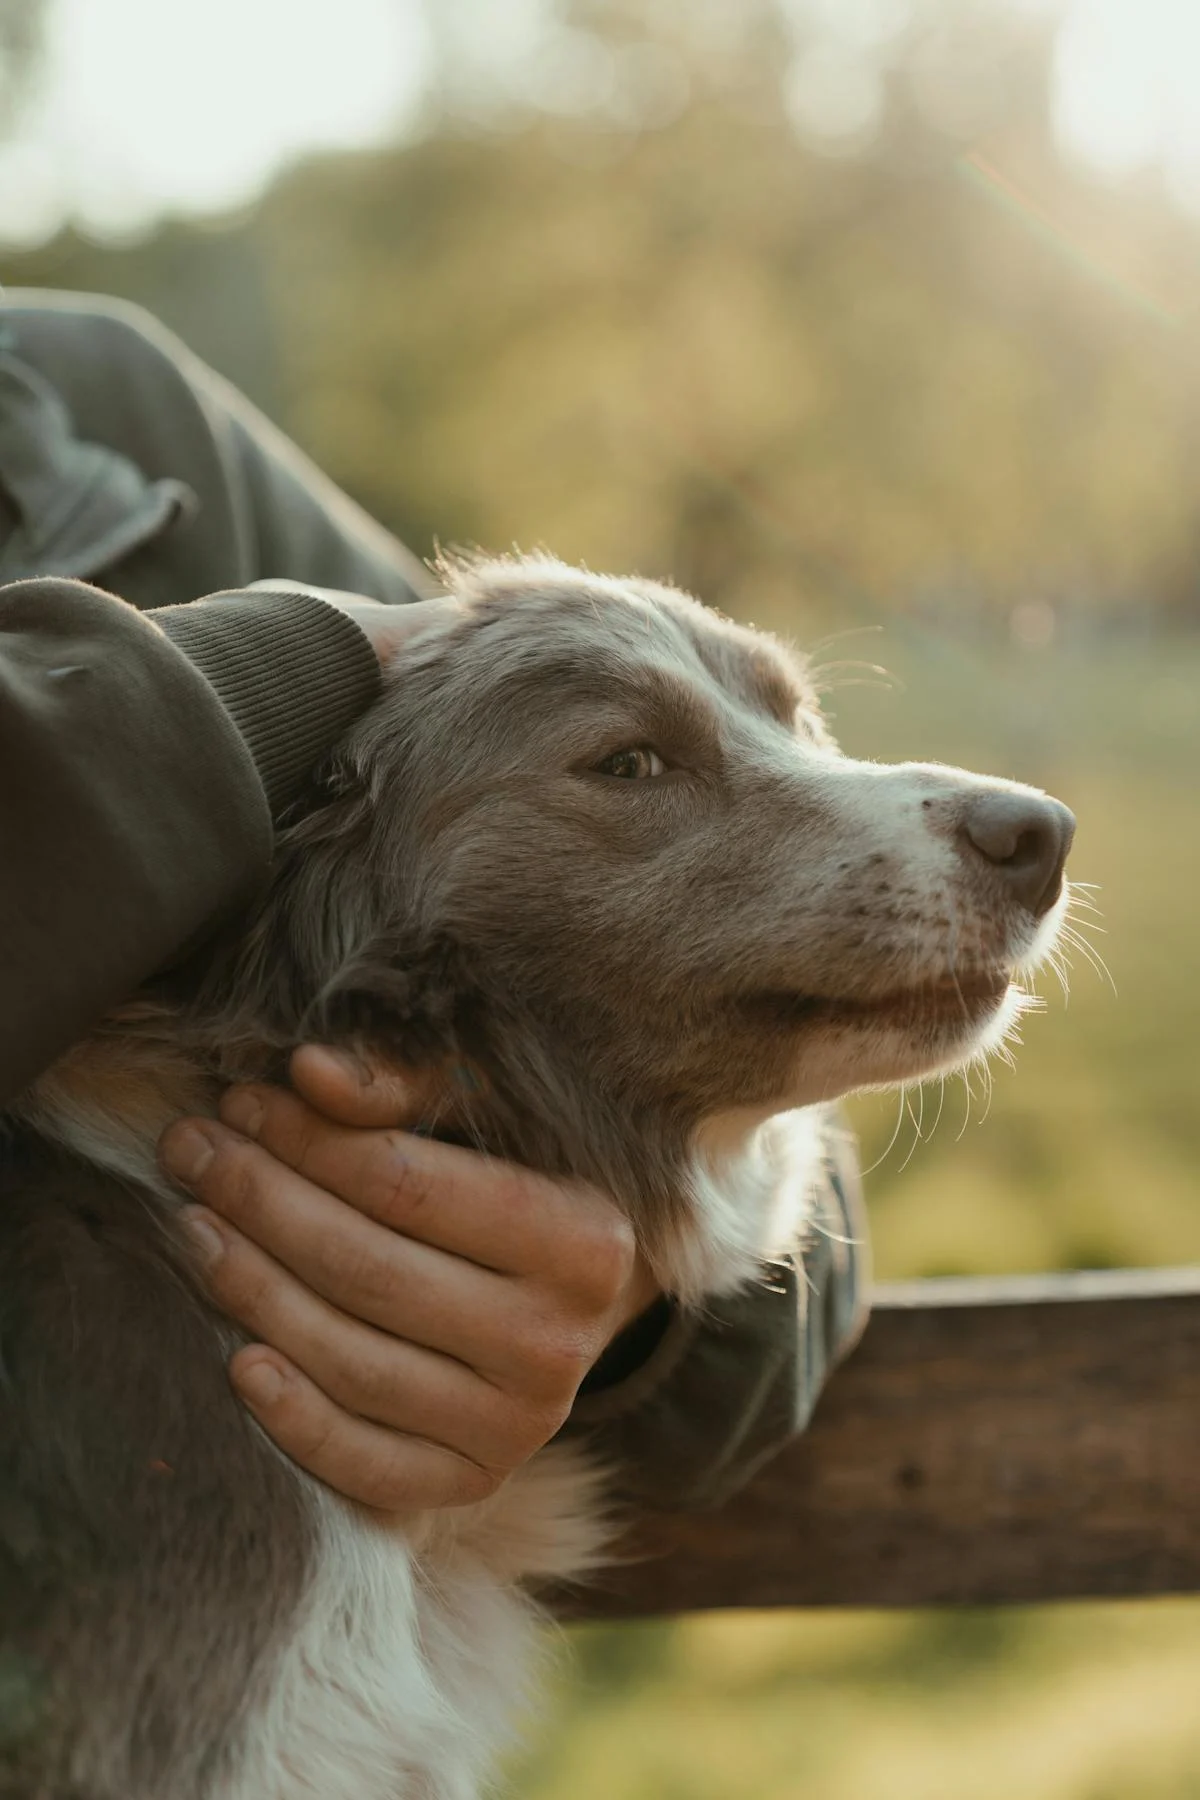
(1089, 1156)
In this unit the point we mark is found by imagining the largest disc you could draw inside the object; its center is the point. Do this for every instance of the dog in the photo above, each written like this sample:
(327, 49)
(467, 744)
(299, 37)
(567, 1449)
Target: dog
(598, 843)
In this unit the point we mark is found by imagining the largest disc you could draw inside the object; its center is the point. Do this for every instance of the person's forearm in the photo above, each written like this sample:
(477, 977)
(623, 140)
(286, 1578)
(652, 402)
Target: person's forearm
(135, 813)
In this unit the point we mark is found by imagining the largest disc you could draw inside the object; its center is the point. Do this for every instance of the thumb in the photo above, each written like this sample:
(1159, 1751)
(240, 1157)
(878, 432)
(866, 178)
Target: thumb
(355, 1089)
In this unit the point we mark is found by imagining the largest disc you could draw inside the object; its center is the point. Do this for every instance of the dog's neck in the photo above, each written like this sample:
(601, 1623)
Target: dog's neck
(754, 1173)
(729, 1199)
(111, 1097)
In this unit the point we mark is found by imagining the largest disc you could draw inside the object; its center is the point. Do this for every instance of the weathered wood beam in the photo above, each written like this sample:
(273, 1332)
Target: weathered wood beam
(988, 1441)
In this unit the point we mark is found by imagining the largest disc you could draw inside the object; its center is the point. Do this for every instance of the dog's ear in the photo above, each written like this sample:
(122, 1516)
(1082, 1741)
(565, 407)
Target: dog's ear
(410, 1002)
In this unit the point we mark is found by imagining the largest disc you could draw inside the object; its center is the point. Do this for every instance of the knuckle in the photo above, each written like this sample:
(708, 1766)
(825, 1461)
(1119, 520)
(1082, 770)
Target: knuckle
(385, 1481)
(602, 1260)
(554, 1358)
(611, 1255)
(238, 1178)
(538, 1424)
(251, 1303)
(312, 1434)
(362, 1382)
(404, 1189)
(297, 1137)
(471, 1482)
(393, 1484)
(360, 1273)
(389, 1492)
(517, 1189)
(525, 1427)
(242, 1283)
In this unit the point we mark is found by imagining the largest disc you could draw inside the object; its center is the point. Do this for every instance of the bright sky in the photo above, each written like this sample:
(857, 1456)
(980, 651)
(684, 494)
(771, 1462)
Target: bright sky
(1127, 81)
(150, 105)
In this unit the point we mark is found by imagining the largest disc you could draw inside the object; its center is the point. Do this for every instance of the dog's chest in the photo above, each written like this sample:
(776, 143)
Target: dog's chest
(411, 1660)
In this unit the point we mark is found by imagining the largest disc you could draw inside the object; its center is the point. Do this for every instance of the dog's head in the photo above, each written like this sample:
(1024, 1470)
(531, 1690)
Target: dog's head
(597, 842)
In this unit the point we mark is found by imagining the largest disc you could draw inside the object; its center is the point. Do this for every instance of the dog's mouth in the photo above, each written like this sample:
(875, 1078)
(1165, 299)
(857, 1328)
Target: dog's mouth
(964, 997)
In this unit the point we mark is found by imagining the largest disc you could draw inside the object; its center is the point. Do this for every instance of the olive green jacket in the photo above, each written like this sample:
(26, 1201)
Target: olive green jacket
(149, 740)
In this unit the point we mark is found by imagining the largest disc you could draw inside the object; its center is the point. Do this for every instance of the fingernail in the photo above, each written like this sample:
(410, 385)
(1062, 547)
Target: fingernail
(261, 1383)
(206, 1239)
(356, 1067)
(242, 1108)
(186, 1152)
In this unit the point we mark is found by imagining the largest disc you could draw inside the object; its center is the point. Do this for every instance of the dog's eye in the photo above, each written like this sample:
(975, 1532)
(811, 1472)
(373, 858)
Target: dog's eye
(635, 764)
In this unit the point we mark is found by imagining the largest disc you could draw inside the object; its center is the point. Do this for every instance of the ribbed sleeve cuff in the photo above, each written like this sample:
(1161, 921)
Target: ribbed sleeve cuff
(293, 672)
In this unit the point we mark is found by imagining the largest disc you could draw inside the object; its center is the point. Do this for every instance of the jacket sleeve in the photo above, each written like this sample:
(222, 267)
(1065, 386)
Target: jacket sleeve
(140, 783)
(260, 508)
(720, 1392)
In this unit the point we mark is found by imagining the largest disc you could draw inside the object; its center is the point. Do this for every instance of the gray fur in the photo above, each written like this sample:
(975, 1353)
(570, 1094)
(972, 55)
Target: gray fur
(622, 962)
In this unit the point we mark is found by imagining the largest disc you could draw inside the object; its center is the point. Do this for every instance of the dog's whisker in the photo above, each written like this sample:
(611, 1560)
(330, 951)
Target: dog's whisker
(913, 1115)
(833, 677)
(941, 1103)
(969, 1093)
(839, 637)
(891, 1143)
(839, 687)
(821, 1228)
(912, 1149)
(1090, 953)
(1061, 968)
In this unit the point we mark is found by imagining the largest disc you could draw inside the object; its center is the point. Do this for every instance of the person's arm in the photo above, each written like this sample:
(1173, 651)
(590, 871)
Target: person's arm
(140, 783)
(137, 813)
(259, 508)
(265, 511)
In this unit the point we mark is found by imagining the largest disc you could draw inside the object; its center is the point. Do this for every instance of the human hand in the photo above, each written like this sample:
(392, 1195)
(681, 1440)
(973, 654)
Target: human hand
(425, 1313)
(389, 628)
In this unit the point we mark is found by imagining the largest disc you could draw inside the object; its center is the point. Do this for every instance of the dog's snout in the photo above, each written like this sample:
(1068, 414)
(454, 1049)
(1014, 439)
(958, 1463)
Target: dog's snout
(1026, 837)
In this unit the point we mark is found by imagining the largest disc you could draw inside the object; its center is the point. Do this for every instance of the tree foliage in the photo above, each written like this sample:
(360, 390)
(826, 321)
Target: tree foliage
(943, 373)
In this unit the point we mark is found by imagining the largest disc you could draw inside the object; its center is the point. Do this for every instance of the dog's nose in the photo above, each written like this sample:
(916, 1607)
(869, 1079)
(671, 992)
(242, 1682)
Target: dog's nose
(1026, 837)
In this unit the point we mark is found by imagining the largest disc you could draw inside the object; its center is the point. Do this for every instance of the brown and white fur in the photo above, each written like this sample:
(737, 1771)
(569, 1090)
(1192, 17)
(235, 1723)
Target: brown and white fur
(664, 969)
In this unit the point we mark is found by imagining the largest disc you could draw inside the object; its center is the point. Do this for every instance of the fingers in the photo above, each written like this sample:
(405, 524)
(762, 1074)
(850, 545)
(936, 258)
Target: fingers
(380, 1276)
(385, 1380)
(355, 1090)
(391, 629)
(368, 1463)
(428, 1312)
(496, 1214)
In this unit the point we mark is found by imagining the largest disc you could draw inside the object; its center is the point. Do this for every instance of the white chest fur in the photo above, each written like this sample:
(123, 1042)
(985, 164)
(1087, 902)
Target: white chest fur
(415, 1648)
(414, 1654)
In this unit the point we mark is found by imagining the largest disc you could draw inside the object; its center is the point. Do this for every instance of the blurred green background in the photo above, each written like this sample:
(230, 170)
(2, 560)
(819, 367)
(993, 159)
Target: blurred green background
(874, 322)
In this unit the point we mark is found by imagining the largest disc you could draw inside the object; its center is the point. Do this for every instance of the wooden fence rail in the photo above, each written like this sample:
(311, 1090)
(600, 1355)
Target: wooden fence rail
(1030, 1439)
